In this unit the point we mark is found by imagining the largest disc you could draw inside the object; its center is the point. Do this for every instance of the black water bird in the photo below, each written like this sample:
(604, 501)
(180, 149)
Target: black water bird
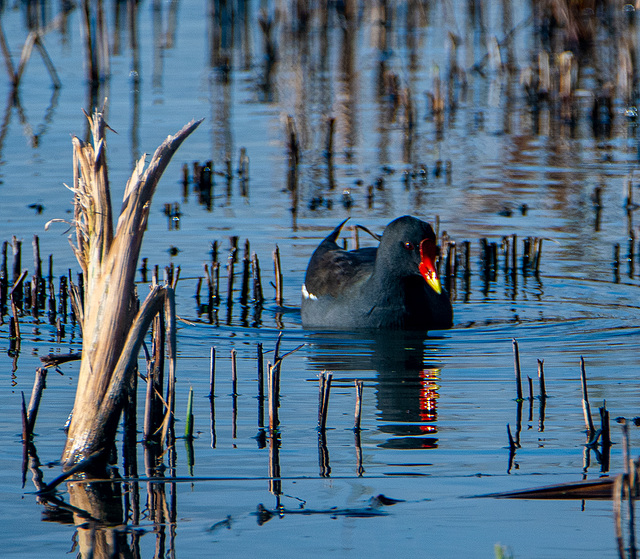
(393, 286)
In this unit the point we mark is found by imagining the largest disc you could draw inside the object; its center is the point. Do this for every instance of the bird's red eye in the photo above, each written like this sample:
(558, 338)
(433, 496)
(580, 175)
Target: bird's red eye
(409, 245)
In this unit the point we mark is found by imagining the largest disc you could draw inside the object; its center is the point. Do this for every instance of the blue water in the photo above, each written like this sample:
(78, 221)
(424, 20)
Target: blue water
(434, 411)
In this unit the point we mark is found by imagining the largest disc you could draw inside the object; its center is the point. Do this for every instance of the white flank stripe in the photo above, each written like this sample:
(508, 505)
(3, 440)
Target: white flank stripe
(308, 295)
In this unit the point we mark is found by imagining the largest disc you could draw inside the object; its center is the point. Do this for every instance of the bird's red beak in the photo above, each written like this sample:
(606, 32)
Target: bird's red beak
(427, 265)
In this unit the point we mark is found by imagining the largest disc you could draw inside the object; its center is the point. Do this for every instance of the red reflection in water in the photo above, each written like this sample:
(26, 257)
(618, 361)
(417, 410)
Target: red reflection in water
(428, 399)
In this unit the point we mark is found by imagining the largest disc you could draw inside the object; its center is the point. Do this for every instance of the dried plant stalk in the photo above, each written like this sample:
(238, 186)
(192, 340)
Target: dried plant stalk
(112, 332)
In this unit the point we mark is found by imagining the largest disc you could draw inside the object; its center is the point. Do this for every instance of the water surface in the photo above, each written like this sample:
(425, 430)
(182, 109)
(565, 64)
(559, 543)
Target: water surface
(435, 410)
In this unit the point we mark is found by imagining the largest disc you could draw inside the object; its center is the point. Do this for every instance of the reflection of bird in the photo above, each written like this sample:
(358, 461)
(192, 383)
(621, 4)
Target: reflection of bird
(406, 383)
(392, 286)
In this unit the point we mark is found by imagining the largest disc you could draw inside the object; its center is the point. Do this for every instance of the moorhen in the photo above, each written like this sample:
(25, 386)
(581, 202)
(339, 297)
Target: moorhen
(394, 286)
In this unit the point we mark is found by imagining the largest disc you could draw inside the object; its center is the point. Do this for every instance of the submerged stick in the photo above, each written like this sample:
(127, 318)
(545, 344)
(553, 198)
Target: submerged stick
(81, 466)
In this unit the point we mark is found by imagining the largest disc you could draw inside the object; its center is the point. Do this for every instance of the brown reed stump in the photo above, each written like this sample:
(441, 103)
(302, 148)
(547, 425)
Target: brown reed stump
(112, 330)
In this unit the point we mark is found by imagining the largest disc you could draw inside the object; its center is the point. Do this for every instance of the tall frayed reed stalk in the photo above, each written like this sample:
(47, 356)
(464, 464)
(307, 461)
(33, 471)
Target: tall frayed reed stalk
(112, 329)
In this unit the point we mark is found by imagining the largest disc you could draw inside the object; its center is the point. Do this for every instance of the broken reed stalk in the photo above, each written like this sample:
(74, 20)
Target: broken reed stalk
(15, 296)
(543, 389)
(629, 487)
(188, 427)
(246, 271)
(605, 439)
(148, 429)
(234, 373)
(538, 254)
(631, 496)
(276, 349)
(273, 381)
(39, 384)
(586, 408)
(37, 262)
(4, 280)
(112, 331)
(212, 373)
(516, 365)
(16, 245)
(257, 281)
(626, 448)
(211, 297)
(278, 273)
(230, 271)
(618, 493)
(25, 422)
(234, 416)
(260, 386)
(358, 413)
(323, 398)
(215, 271)
(3, 264)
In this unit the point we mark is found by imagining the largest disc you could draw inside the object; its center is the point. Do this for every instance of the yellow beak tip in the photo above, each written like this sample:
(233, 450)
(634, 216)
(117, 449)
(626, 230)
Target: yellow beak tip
(436, 286)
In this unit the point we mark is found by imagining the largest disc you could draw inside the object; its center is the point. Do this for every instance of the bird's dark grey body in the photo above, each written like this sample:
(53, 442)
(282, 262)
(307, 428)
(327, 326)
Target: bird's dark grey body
(374, 288)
